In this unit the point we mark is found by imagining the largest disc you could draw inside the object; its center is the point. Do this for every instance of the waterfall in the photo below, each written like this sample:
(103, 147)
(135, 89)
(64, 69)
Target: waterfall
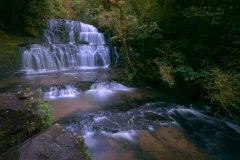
(62, 49)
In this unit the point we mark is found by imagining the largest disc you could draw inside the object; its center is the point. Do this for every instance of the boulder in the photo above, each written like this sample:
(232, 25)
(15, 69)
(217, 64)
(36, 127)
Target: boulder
(53, 144)
(16, 121)
(9, 101)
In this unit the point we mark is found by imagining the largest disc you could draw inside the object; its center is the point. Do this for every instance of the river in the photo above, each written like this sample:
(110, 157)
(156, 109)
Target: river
(117, 122)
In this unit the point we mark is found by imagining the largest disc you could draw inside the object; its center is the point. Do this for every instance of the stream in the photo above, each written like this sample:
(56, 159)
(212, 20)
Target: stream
(117, 122)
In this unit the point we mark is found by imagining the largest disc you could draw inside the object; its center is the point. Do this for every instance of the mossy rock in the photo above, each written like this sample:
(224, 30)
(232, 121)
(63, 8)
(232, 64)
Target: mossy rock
(84, 85)
(81, 42)
(15, 126)
(10, 57)
(19, 121)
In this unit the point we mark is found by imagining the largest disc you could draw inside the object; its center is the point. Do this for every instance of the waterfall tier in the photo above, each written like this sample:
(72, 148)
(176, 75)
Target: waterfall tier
(62, 49)
(61, 92)
(46, 58)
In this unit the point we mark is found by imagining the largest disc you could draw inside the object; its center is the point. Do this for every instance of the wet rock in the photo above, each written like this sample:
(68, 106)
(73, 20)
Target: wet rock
(30, 95)
(169, 143)
(25, 94)
(81, 42)
(106, 125)
(14, 115)
(155, 116)
(10, 101)
(84, 85)
(53, 144)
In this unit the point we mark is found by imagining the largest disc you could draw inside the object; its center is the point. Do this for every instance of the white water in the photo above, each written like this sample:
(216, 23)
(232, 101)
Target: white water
(66, 91)
(62, 51)
(105, 89)
(92, 37)
(99, 90)
(110, 85)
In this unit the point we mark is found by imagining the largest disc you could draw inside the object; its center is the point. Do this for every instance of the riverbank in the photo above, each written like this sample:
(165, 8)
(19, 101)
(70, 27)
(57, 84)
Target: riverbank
(24, 119)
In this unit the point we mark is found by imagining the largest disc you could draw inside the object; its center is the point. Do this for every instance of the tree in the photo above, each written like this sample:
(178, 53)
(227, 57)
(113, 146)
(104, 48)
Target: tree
(114, 12)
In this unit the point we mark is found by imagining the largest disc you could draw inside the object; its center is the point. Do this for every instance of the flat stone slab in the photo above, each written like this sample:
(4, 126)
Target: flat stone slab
(10, 101)
(53, 144)
(169, 143)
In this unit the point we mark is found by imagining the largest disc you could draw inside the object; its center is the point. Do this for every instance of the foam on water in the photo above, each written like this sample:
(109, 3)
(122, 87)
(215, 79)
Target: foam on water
(128, 135)
(219, 137)
(66, 91)
(98, 119)
(110, 85)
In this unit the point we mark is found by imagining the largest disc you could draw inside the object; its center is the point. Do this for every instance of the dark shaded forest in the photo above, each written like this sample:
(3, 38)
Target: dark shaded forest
(190, 47)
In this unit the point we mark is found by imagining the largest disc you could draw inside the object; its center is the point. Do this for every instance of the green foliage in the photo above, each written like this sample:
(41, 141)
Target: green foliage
(188, 73)
(209, 13)
(165, 71)
(9, 52)
(28, 122)
(29, 15)
(15, 127)
(44, 110)
(83, 149)
(146, 31)
(145, 11)
(174, 43)
(223, 89)
(10, 140)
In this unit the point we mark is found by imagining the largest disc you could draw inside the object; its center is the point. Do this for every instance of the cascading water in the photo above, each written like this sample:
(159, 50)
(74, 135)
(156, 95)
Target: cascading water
(97, 90)
(62, 50)
(66, 91)
(107, 110)
(213, 134)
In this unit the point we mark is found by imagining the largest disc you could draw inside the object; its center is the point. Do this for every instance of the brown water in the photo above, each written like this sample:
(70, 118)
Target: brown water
(67, 107)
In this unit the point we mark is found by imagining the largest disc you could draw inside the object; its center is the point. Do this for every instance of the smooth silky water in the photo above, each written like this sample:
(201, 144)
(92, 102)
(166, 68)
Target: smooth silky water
(117, 122)
(62, 49)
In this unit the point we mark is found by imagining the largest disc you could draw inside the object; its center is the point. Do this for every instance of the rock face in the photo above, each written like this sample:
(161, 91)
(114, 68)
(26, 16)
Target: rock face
(53, 144)
(11, 102)
(16, 121)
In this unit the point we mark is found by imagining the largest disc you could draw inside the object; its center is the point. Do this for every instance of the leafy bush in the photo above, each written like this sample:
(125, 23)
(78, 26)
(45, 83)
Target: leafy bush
(165, 72)
(16, 126)
(44, 110)
(223, 89)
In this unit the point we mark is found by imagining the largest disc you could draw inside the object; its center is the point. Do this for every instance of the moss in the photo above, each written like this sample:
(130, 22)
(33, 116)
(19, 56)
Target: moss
(44, 110)
(16, 126)
(84, 85)
(81, 42)
(9, 141)
(76, 35)
(65, 37)
(9, 52)
(83, 149)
